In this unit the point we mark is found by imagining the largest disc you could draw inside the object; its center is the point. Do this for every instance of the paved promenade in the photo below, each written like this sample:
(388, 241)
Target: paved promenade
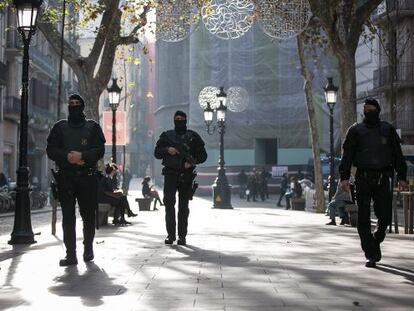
(255, 257)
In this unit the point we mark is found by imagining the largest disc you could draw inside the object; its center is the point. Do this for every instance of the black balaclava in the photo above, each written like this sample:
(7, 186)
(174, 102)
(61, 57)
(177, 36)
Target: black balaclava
(76, 115)
(372, 117)
(180, 126)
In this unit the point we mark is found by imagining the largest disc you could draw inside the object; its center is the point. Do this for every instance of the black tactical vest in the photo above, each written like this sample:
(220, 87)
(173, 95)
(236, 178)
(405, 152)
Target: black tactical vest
(178, 141)
(373, 147)
(77, 137)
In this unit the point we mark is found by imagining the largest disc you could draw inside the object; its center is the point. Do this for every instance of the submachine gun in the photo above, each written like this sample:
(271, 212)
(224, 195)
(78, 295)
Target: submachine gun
(184, 152)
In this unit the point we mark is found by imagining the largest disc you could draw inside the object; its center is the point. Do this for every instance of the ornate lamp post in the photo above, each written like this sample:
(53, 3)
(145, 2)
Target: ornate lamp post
(27, 12)
(221, 187)
(331, 92)
(114, 93)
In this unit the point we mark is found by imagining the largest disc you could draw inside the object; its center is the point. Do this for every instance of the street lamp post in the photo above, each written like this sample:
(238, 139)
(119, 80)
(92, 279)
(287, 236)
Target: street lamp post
(221, 187)
(114, 93)
(27, 11)
(331, 92)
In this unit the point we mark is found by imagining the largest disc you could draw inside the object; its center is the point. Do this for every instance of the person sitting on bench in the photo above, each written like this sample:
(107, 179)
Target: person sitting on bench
(109, 194)
(149, 193)
(339, 201)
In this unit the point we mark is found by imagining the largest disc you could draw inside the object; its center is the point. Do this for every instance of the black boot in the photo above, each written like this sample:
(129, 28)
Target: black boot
(69, 260)
(130, 213)
(331, 223)
(182, 241)
(88, 254)
(169, 240)
(370, 263)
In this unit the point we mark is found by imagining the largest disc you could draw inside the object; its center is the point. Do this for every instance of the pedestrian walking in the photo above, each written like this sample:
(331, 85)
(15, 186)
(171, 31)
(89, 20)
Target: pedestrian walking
(263, 181)
(181, 150)
(284, 183)
(242, 180)
(373, 147)
(76, 144)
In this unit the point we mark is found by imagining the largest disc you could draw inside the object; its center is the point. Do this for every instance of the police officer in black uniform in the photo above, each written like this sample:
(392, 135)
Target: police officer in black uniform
(76, 144)
(180, 150)
(373, 147)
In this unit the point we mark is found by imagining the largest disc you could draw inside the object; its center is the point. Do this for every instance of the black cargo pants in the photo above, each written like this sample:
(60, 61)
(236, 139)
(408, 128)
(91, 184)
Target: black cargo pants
(375, 186)
(82, 188)
(172, 184)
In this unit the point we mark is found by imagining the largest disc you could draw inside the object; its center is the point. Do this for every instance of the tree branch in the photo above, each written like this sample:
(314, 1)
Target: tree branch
(106, 21)
(70, 55)
(362, 14)
(108, 55)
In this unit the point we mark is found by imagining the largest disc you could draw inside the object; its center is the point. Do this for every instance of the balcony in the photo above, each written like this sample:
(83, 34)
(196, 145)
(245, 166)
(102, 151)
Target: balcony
(42, 113)
(405, 119)
(3, 73)
(401, 5)
(396, 8)
(404, 76)
(11, 108)
(43, 62)
(13, 43)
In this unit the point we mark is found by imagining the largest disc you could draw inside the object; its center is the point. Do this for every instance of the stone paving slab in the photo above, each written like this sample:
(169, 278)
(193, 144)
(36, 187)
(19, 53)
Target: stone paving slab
(255, 257)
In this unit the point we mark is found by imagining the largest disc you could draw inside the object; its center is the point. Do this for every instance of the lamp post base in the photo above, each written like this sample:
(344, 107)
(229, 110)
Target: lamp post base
(22, 238)
(222, 196)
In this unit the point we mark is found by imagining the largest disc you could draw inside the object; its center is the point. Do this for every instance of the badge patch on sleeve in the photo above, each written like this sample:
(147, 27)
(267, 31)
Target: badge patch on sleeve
(384, 140)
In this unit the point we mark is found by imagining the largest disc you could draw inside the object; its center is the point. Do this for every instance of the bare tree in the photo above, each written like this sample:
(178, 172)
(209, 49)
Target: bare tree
(343, 22)
(94, 71)
(302, 41)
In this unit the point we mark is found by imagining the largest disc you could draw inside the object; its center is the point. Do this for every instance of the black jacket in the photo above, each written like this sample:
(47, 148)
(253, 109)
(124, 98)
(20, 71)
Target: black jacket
(87, 139)
(189, 143)
(376, 147)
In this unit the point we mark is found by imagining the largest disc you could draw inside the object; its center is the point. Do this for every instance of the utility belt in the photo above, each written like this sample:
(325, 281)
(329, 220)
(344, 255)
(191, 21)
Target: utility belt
(374, 174)
(77, 172)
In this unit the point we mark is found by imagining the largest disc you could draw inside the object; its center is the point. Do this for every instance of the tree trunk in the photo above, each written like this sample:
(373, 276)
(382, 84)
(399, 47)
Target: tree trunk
(308, 77)
(91, 94)
(347, 91)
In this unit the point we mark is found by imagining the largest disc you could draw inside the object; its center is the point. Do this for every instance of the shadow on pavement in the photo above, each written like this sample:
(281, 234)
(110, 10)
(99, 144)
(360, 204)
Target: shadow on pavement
(406, 273)
(91, 287)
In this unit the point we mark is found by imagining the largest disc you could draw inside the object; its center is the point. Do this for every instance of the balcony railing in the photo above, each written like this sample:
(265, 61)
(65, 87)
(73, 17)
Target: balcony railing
(405, 119)
(405, 73)
(393, 5)
(43, 62)
(12, 106)
(3, 73)
(12, 40)
(42, 113)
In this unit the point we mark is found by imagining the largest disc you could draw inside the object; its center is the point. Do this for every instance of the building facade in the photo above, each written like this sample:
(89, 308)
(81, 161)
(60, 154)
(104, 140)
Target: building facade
(42, 105)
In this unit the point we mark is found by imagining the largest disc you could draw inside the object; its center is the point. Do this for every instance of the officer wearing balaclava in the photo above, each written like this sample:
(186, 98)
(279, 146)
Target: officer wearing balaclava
(76, 145)
(373, 147)
(181, 150)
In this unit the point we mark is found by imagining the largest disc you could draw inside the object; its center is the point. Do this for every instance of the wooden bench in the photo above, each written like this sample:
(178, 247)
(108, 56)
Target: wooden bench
(144, 204)
(352, 211)
(298, 204)
(105, 210)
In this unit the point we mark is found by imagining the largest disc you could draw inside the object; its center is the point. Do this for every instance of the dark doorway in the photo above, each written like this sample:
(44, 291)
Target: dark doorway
(266, 151)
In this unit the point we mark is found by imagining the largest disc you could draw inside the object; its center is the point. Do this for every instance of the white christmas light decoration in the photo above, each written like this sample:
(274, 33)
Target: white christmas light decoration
(174, 19)
(209, 95)
(237, 99)
(228, 19)
(283, 19)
